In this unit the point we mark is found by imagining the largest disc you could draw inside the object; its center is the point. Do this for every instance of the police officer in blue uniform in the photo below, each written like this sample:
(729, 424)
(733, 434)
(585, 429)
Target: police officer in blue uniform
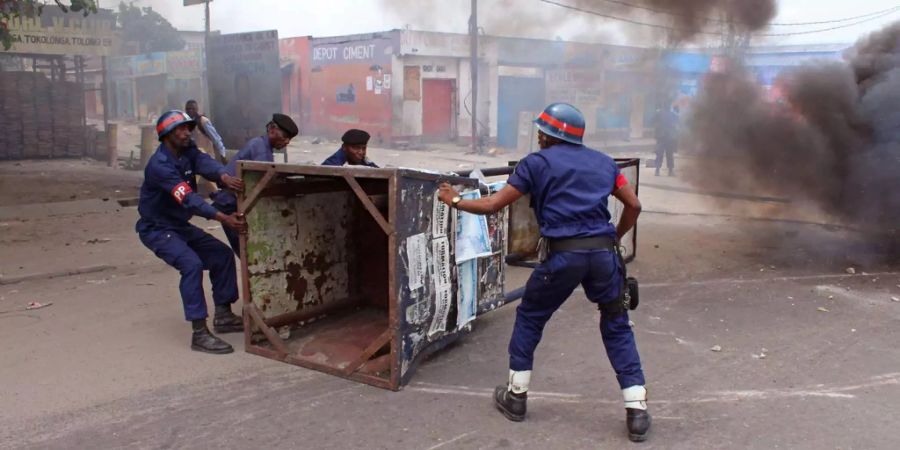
(570, 185)
(167, 202)
(353, 150)
(279, 132)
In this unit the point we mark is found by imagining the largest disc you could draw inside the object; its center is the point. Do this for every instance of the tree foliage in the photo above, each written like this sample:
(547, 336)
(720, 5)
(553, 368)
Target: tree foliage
(148, 28)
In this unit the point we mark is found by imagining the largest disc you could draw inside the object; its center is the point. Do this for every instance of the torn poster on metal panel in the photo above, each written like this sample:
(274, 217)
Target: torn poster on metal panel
(441, 310)
(440, 248)
(417, 255)
(468, 290)
(472, 240)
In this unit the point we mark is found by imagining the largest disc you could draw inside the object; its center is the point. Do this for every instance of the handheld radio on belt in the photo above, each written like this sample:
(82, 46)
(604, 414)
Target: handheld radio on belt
(630, 297)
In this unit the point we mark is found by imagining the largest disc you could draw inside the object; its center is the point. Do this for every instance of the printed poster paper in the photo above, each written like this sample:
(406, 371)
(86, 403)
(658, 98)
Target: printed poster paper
(417, 255)
(472, 238)
(440, 218)
(441, 310)
(467, 303)
(440, 250)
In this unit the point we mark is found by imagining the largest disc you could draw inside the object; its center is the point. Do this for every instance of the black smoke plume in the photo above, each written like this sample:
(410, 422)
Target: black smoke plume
(833, 140)
(686, 19)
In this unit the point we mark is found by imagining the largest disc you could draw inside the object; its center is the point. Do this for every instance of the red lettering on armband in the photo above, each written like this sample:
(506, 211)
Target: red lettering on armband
(181, 191)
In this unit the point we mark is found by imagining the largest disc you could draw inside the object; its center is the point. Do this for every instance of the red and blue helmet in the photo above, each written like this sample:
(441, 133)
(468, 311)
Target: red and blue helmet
(562, 121)
(171, 120)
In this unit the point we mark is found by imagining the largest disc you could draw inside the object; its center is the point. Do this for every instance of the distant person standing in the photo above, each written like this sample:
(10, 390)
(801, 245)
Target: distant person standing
(207, 140)
(666, 138)
(205, 135)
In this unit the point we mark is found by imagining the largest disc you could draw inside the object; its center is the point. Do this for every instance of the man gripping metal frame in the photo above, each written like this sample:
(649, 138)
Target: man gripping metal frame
(279, 132)
(167, 202)
(570, 185)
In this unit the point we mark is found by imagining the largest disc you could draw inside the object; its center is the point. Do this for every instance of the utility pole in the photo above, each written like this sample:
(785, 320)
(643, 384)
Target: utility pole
(206, 28)
(206, 5)
(473, 63)
(205, 85)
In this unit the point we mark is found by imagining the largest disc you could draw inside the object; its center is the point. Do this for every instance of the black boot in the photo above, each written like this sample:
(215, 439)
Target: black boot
(511, 405)
(638, 422)
(204, 341)
(226, 321)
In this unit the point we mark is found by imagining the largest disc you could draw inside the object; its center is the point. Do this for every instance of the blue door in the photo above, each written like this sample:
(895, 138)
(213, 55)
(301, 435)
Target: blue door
(516, 94)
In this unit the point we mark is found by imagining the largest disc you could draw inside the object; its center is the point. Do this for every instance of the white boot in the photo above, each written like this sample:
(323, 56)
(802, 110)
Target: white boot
(519, 381)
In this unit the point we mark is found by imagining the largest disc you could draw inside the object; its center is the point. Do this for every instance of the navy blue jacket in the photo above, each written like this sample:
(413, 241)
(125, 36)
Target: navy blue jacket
(339, 159)
(169, 195)
(570, 187)
(256, 149)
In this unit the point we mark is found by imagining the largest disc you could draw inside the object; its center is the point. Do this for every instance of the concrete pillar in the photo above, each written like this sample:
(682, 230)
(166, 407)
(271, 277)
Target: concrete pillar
(149, 142)
(112, 147)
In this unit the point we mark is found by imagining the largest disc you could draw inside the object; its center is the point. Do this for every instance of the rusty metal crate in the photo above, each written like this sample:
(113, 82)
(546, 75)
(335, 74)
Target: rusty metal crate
(326, 273)
(326, 269)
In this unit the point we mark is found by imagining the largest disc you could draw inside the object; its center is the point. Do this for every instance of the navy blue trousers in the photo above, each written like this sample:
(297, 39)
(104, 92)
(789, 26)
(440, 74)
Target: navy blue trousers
(191, 251)
(551, 283)
(233, 237)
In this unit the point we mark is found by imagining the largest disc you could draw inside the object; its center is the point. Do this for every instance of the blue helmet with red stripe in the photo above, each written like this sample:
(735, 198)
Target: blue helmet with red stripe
(171, 120)
(562, 121)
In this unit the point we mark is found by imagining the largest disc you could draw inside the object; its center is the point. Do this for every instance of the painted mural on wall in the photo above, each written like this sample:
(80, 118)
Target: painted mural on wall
(346, 94)
(244, 83)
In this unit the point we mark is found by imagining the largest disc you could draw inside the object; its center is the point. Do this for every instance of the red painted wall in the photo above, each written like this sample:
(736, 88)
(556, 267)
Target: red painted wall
(295, 85)
(335, 111)
(341, 92)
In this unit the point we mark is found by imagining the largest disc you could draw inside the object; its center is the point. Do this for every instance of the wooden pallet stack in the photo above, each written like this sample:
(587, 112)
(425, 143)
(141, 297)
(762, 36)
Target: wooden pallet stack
(43, 105)
(12, 128)
(41, 118)
(58, 123)
(28, 114)
(4, 117)
(74, 116)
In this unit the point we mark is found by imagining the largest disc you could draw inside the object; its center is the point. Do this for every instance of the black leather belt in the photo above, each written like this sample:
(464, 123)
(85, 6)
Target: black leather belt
(575, 244)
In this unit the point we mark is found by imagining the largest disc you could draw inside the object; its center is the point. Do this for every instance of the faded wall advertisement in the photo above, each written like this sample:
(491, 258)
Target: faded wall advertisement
(244, 84)
(582, 87)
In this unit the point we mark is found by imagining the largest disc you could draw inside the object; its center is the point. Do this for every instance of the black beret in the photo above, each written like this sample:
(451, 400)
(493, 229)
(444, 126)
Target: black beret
(286, 124)
(355, 137)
